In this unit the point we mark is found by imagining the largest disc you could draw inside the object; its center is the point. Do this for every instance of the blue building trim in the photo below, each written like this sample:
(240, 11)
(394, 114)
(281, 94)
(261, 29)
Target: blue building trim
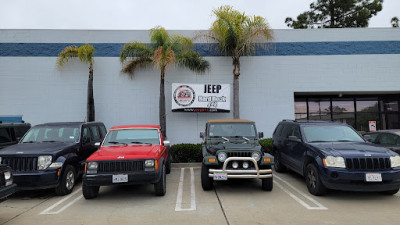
(211, 49)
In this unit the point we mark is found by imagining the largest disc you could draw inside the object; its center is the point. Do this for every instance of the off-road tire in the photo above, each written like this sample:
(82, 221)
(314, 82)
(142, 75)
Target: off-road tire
(313, 180)
(161, 186)
(207, 183)
(267, 184)
(90, 192)
(67, 182)
(168, 165)
(279, 167)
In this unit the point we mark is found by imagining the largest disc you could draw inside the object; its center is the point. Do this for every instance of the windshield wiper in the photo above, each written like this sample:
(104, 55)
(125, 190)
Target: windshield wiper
(116, 142)
(319, 141)
(142, 143)
(50, 141)
(29, 142)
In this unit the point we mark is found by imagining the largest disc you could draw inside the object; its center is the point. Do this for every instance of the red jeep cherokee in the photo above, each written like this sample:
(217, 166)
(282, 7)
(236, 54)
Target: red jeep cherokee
(134, 154)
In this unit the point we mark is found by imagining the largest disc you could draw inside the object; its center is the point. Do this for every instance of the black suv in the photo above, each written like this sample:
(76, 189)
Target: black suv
(52, 155)
(11, 133)
(231, 149)
(333, 155)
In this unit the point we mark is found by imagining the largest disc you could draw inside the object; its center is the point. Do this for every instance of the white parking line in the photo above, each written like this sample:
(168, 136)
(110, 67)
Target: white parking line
(319, 205)
(178, 206)
(48, 210)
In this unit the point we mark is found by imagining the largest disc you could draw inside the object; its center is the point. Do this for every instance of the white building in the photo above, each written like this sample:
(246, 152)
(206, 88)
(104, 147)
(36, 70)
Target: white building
(353, 73)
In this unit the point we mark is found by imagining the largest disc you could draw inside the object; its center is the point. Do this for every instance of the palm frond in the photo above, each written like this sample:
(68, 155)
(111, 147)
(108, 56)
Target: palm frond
(86, 53)
(135, 49)
(135, 63)
(68, 53)
(192, 60)
(159, 36)
(181, 43)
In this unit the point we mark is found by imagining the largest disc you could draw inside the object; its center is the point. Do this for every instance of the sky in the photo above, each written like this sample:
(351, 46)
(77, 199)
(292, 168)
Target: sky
(146, 14)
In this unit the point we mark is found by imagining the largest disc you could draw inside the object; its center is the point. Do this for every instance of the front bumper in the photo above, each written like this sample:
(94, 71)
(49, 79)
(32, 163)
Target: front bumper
(36, 179)
(105, 179)
(7, 191)
(341, 179)
(242, 173)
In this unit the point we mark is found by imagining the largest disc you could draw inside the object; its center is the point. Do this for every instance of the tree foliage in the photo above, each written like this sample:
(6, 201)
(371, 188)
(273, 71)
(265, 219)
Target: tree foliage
(164, 51)
(336, 14)
(395, 22)
(237, 34)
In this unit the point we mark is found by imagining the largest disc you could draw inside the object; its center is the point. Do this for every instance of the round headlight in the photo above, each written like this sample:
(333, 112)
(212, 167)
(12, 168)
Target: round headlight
(222, 156)
(245, 165)
(256, 156)
(235, 165)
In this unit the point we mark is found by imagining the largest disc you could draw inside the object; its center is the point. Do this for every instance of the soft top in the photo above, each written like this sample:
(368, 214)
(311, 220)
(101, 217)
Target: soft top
(230, 121)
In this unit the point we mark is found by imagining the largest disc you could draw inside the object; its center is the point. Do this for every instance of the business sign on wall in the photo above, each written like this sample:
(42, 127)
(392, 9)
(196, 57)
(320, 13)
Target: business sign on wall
(201, 97)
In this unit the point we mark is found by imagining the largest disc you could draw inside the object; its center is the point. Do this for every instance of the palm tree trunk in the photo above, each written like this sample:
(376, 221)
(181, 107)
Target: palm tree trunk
(236, 73)
(163, 122)
(90, 99)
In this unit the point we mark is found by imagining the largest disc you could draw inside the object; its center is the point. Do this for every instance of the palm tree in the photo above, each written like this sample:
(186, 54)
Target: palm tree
(237, 35)
(85, 54)
(164, 51)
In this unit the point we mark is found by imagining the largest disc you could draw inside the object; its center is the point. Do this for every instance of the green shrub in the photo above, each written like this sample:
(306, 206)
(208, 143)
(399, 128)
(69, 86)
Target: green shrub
(266, 145)
(184, 153)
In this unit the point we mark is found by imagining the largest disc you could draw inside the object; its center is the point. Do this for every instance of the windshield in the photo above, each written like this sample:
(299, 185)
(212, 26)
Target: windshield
(132, 137)
(52, 134)
(335, 133)
(232, 130)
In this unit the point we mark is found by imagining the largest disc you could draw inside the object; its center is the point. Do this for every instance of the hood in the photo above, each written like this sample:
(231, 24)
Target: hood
(126, 152)
(235, 146)
(353, 149)
(39, 148)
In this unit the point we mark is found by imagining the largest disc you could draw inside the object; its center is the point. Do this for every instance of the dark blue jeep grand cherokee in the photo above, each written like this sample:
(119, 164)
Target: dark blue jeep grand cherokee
(333, 155)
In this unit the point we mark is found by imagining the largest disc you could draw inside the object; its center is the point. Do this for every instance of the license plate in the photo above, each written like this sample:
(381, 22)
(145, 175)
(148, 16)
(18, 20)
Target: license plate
(121, 178)
(220, 176)
(373, 177)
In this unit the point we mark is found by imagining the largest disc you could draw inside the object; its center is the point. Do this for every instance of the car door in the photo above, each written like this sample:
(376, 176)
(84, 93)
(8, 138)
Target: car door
(294, 148)
(390, 141)
(87, 143)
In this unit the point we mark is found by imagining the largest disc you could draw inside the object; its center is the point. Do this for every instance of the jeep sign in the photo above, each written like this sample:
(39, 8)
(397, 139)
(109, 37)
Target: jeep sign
(201, 97)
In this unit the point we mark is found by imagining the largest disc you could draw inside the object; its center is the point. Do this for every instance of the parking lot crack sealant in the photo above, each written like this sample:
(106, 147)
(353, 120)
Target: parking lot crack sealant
(222, 208)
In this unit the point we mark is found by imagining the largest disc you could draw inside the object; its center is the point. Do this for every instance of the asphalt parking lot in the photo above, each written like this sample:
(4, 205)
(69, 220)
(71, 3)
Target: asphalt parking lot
(232, 202)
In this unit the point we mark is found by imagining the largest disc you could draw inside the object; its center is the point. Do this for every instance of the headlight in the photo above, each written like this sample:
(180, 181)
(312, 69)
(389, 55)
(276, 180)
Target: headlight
(7, 175)
(149, 163)
(44, 161)
(395, 161)
(256, 156)
(91, 167)
(0, 160)
(222, 156)
(331, 161)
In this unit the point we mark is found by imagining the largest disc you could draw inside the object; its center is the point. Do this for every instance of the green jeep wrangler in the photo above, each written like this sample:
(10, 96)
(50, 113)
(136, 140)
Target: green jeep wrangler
(231, 150)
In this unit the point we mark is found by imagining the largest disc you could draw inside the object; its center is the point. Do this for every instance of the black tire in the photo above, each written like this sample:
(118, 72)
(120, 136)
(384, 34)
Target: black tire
(67, 182)
(207, 183)
(313, 181)
(390, 192)
(161, 186)
(90, 192)
(168, 165)
(279, 167)
(267, 184)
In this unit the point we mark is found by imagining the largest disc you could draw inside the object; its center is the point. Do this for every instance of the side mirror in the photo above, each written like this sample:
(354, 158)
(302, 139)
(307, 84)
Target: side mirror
(166, 143)
(368, 137)
(294, 139)
(85, 140)
(202, 135)
(260, 135)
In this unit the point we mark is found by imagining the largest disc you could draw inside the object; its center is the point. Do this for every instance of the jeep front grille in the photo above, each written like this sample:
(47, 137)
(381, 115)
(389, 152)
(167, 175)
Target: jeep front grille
(21, 164)
(120, 166)
(239, 154)
(368, 163)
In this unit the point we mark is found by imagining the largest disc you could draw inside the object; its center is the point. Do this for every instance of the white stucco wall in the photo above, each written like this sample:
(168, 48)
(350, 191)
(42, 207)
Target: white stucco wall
(35, 88)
